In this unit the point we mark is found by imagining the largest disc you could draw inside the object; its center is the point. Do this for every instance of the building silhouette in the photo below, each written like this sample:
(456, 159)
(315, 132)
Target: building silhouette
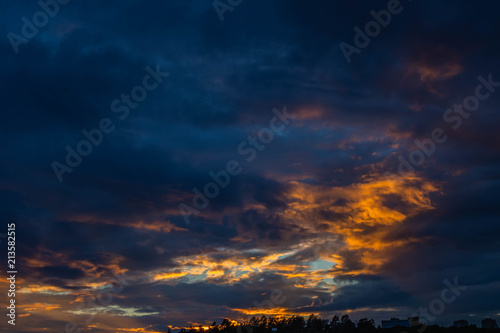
(414, 321)
(394, 322)
(489, 323)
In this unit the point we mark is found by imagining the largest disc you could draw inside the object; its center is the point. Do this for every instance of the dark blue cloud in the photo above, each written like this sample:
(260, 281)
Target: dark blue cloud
(119, 208)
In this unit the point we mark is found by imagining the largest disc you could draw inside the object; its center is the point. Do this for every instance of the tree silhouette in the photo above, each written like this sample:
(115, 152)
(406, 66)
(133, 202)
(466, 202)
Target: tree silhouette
(314, 324)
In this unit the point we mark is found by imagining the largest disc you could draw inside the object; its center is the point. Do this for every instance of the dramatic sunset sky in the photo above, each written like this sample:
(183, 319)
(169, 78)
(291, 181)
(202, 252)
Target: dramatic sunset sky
(320, 221)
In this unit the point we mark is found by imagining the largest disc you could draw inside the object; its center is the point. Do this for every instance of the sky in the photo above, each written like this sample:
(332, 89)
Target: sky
(173, 163)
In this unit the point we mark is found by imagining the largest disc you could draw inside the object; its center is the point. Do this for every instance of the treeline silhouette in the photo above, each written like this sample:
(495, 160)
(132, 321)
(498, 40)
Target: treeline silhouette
(314, 324)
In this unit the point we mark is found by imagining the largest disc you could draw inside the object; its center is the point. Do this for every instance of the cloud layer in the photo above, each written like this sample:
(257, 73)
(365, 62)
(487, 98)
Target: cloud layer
(321, 221)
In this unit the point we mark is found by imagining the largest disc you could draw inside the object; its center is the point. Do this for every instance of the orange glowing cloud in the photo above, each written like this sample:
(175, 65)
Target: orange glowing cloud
(169, 275)
(272, 312)
(429, 73)
(433, 65)
(34, 288)
(361, 213)
(309, 113)
(39, 307)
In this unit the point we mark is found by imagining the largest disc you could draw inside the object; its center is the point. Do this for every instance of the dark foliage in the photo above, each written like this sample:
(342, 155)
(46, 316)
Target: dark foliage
(314, 324)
